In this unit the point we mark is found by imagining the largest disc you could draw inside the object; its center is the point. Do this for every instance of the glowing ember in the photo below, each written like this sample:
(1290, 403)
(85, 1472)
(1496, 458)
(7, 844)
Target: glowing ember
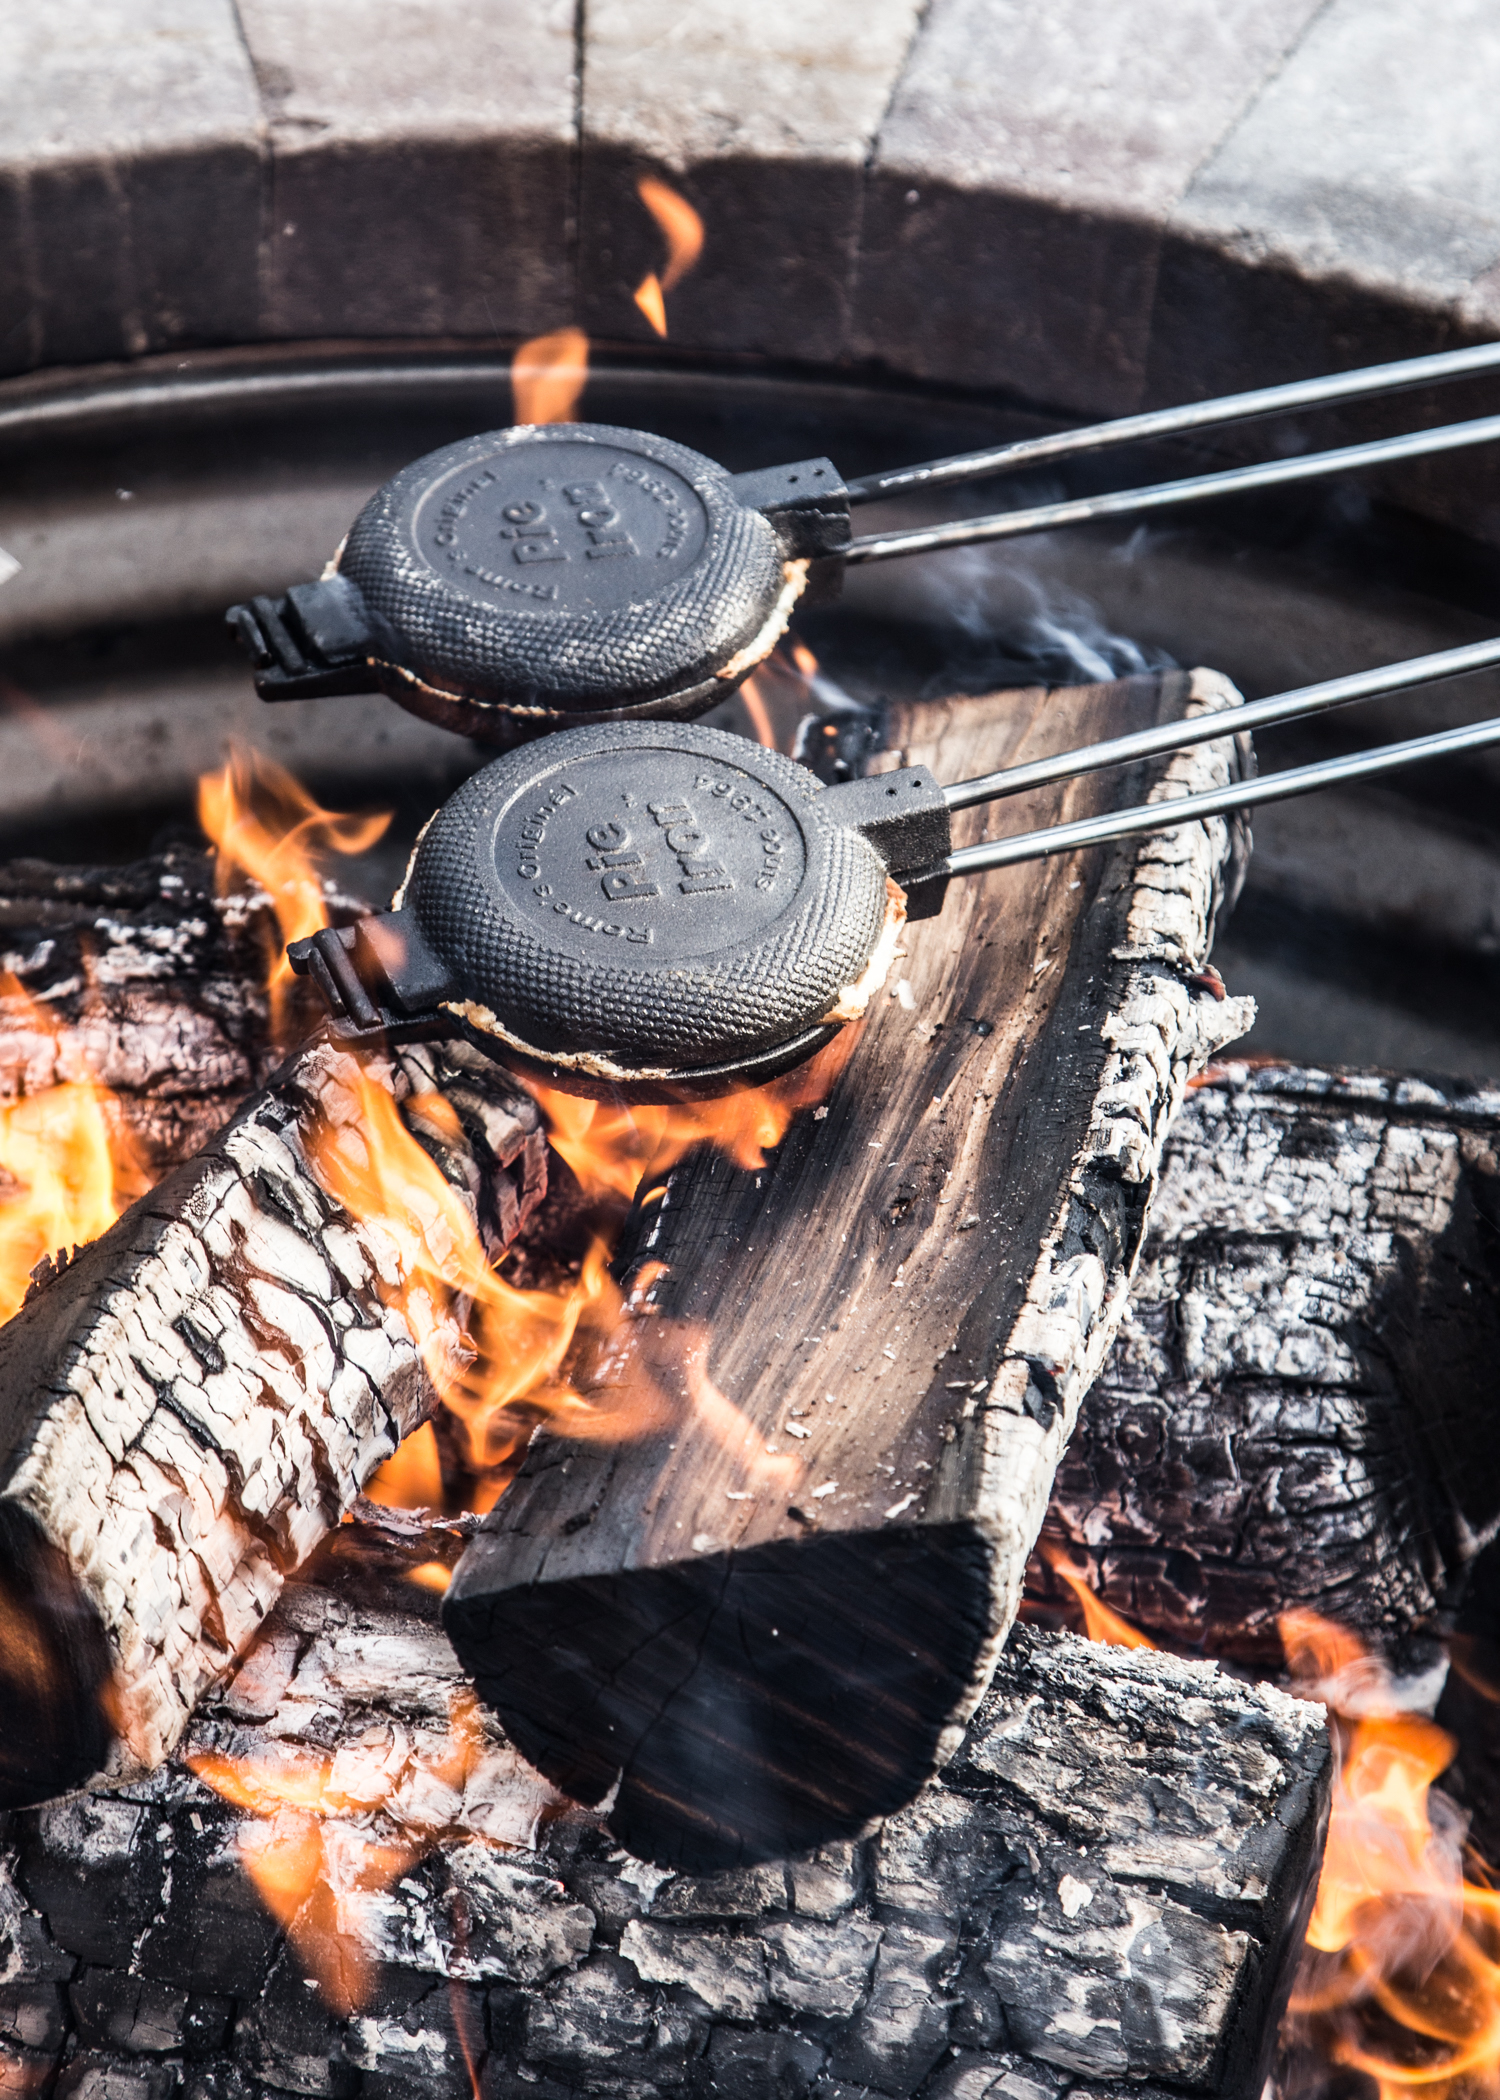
(682, 229)
(264, 824)
(1401, 1976)
(67, 1165)
(1099, 1622)
(548, 375)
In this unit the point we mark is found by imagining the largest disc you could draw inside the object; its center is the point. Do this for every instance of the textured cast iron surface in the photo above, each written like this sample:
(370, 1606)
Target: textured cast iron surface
(567, 567)
(662, 897)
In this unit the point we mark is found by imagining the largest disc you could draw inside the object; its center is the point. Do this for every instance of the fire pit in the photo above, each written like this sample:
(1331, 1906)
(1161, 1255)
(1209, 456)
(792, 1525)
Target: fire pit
(690, 1944)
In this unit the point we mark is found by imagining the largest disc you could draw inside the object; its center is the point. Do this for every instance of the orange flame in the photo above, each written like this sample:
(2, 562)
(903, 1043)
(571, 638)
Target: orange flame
(1099, 1622)
(548, 376)
(309, 1843)
(264, 824)
(1401, 1977)
(67, 1164)
(514, 1363)
(682, 229)
(759, 713)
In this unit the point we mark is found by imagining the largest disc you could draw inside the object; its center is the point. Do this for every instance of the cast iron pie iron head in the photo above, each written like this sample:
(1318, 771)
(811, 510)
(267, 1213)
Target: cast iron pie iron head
(649, 905)
(668, 909)
(547, 576)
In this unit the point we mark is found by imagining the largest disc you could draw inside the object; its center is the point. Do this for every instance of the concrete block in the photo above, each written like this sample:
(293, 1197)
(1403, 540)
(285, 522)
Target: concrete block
(764, 121)
(1352, 214)
(421, 165)
(129, 179)
(1370, 154)
(1023, 175)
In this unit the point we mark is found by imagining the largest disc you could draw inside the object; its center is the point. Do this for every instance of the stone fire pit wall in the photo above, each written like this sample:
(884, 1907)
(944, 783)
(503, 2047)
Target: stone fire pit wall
(1094, 204)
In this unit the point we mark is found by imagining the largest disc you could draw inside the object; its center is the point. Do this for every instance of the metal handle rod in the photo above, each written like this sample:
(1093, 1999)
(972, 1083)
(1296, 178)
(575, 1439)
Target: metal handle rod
(1228, 721)
(1199, 488)
(1172, 422)
(1214, 802)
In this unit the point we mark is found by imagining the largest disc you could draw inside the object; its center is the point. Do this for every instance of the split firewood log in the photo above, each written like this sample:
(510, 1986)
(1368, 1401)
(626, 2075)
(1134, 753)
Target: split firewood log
(768, 1616)
(1299, 1409)
(191, 1402)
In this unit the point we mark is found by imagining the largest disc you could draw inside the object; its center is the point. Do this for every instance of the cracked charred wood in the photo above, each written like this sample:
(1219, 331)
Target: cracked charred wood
(1300, 1408)
(768, 1616)
(1098, 1896)
(144, 979)
(189, 1404)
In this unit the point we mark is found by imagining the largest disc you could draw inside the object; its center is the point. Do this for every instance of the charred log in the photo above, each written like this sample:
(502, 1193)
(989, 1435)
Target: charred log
(1099, 1895)
(188, 1405)
(1300, 1407)
(768, 1618)
(145, 979)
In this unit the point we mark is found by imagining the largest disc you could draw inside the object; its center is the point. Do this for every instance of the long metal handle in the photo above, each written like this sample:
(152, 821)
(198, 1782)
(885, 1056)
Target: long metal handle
(1198, 488)
(1214, 802)
(1173, 422)
(1228, 721)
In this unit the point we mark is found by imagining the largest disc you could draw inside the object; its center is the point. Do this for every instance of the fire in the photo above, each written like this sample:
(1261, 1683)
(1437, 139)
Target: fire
(67, 1165)
(548, 376)
(312, 1844)
(527, 1356)
(682, 230)
(1401, 1977)
(759, 713)
(1099, 1622)
(264, 824)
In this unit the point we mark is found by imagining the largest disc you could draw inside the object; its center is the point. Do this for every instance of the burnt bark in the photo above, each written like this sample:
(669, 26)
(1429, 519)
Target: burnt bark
(1300, 1408)
(145, 979)
(189, 1404)
(1099, 1895)
(756, 1625)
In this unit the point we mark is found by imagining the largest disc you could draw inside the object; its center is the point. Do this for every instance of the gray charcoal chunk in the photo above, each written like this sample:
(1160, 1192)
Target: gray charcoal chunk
(994, 2077)
(945, 1851)
(903, 2029)
(1129, 1985)
(752, 2064)
(94, 2075)
(743, 1892)
(826, 1882)
(821, 1968)
(413, 2038)
(591, 2021)
(728, 1975)
(33, 2016)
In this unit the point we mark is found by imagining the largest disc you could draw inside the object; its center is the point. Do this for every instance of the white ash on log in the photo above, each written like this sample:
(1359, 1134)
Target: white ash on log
(1300, 1407)
(142, 978)
(188, 1405)
(750, 1632)
(1099, 1895)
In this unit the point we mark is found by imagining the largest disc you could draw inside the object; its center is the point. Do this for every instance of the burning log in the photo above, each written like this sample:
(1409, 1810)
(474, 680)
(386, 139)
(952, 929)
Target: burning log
(144, 981)
(1104, 1887)
(192, 1400)
(769, 1616)
(1299, 1409)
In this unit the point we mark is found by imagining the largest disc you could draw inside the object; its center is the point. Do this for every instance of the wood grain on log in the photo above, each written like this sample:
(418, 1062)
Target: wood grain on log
(758, 1625)
(188, 1405)
(1099, 1895)
(1300, 1407)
